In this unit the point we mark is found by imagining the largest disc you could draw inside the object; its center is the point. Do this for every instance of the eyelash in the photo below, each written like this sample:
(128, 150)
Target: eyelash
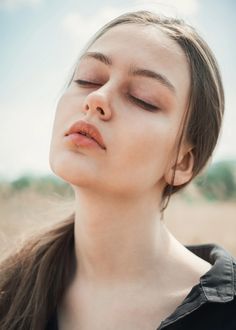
(143, 104)
(139, 102)
(86, 83)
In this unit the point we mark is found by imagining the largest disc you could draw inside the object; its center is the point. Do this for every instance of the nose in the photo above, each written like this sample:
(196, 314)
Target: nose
(97, 103)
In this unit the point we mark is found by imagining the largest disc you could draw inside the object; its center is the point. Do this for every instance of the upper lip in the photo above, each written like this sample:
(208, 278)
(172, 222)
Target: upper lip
(82, 126)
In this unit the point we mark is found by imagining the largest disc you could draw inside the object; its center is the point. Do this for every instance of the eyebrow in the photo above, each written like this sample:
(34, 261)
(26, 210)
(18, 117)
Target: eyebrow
(98, 56)
(154, 75)
(134, 71)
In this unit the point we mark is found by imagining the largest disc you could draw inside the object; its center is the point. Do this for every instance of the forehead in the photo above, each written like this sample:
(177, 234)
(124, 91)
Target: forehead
(147, 47)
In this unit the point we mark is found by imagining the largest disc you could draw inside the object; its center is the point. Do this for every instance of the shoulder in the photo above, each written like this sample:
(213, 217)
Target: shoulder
(219, 283)
(212, 303)
(219, 288)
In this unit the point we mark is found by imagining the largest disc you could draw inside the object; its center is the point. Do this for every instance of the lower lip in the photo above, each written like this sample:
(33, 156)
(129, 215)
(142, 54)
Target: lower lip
(82, 140)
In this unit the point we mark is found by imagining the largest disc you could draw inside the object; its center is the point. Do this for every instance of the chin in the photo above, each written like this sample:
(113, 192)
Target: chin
(71, 173)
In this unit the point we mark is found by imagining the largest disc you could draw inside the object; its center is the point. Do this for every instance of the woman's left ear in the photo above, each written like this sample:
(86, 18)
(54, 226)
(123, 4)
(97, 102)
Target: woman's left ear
(183, 169)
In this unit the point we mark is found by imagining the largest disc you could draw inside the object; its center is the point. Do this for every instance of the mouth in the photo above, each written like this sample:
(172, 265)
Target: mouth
(82, 132)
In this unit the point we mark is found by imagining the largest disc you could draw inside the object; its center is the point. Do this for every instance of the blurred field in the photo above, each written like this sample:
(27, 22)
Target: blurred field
(192, 221)
(25, 213)
(203, 222)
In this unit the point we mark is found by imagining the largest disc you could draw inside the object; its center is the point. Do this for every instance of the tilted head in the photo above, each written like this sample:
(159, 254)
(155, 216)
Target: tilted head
(201, 122)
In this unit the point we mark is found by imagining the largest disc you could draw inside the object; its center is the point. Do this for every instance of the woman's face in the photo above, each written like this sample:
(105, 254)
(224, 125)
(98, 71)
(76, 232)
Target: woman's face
(140, 78)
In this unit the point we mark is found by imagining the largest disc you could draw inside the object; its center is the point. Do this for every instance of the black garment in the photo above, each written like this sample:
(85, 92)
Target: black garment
(211, 304)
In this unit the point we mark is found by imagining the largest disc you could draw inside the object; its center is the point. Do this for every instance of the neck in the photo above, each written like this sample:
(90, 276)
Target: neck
(117, 240)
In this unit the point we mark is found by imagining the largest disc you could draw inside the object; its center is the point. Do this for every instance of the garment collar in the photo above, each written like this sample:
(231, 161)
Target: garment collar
(218, 284)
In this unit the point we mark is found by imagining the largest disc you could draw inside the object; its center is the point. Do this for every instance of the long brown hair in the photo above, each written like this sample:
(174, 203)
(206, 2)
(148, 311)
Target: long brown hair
(33, 280)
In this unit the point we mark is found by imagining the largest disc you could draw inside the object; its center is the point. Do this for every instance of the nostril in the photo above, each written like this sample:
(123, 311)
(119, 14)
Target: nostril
(101, 110)
(97, 108)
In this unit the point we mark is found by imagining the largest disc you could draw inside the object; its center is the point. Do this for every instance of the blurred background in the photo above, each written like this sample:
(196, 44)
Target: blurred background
(40, 42)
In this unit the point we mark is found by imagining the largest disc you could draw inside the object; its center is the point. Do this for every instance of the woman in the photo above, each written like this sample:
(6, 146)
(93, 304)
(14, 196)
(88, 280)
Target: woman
(138, 121)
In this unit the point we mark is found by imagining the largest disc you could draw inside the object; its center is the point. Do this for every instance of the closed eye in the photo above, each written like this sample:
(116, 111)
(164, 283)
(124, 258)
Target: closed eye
(86, 83)
(143, 104)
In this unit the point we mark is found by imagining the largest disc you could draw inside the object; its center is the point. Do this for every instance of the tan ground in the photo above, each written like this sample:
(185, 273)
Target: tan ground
(191, 222)
(203, 222)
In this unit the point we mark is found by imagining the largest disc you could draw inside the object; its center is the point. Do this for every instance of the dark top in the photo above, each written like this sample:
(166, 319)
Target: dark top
(211, 304)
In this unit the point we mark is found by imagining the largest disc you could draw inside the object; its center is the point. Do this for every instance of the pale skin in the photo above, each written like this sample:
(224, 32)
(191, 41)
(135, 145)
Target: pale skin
(131, 272)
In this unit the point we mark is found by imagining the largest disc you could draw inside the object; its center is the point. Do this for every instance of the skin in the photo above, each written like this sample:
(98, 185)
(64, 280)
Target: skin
(127, 262)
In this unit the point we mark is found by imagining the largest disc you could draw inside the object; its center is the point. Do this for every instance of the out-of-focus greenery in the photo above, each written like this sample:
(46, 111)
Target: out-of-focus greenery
(46, 185)
(218, 183)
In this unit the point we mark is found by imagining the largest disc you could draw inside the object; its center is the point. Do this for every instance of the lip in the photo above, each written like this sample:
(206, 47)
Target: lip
(82, 126)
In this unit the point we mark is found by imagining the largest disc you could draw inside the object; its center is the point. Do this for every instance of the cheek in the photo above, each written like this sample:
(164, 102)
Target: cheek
(142, 154)
(60, 124)
(157, 137)
(63, 108)
(154, 148)
(63, 116)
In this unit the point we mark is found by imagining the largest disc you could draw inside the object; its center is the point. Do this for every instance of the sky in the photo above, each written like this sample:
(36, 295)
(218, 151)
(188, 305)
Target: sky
(40, 42)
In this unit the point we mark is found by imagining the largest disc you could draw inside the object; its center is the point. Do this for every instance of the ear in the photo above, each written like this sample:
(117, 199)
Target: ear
(184, 167)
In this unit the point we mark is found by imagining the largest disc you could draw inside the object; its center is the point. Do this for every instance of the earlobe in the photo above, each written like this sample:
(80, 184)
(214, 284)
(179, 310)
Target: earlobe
(183, 170)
